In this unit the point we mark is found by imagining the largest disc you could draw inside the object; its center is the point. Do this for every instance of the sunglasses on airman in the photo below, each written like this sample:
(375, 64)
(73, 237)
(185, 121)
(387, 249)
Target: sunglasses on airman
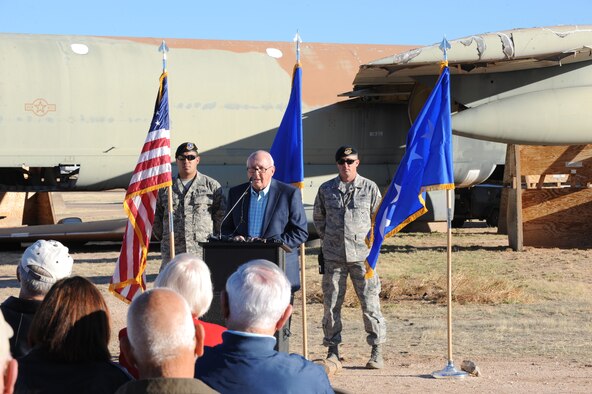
(188, 157)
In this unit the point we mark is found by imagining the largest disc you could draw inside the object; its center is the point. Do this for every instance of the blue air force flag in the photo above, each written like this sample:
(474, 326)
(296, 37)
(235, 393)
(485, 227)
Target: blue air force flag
(287, 147)
(426, 165)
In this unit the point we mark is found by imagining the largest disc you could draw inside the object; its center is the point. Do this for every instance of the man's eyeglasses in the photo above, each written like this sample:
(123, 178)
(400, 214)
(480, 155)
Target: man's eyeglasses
(348, 161)
(252, 170)
(188, 157)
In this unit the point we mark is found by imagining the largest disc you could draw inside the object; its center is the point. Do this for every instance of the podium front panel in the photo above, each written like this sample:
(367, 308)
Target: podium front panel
(224, 258)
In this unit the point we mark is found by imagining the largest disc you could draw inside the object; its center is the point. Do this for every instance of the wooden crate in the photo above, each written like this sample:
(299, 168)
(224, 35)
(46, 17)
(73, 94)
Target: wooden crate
(549, 196)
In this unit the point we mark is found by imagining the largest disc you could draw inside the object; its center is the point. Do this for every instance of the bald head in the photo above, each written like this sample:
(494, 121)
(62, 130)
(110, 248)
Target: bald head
(160, 327)
(260, 156)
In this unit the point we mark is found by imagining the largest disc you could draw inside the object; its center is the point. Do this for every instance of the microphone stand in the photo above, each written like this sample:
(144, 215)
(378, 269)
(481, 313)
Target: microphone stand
(234, 206)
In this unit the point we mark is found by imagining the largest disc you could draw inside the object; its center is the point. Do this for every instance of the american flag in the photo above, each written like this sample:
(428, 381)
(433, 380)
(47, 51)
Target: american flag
(152, 172)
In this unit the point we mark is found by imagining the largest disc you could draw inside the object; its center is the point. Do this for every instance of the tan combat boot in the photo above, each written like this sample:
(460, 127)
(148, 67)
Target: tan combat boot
(376, 361)
(332, 363)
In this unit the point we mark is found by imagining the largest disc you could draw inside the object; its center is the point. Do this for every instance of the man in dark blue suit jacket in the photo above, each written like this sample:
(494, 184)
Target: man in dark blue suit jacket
(269, 209)
(246, 361)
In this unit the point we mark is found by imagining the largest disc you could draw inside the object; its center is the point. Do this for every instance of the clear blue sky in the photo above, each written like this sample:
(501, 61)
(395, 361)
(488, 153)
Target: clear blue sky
(420, 22)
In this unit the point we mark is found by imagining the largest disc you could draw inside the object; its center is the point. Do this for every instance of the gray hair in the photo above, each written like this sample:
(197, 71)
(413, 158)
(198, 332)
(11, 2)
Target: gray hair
(158, 331)
(258, 295)
(252, 157)
(189, 276)
(29, 283)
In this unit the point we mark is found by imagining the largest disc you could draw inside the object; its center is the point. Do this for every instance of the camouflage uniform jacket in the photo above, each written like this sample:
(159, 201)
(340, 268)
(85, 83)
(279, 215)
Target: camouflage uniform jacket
(196, 215)
(342, 216)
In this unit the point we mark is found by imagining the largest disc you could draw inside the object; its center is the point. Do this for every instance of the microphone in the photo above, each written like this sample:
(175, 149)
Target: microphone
(234, 206)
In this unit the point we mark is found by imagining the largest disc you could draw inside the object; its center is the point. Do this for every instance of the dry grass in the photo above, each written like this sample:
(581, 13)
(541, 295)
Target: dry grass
(466, 290)
(506, 304)
(413, 268)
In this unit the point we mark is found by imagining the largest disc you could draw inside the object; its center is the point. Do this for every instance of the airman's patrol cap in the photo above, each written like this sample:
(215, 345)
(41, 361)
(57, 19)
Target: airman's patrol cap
(345, 151)
(186, 147)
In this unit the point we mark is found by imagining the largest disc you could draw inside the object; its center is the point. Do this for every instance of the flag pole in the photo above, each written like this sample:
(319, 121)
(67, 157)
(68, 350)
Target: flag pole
(164, 49)
(449, 372)
(298, 40)
(152, 172)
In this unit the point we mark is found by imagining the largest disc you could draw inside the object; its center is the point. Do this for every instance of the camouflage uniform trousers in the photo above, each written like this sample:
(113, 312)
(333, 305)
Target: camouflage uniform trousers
(368, 291)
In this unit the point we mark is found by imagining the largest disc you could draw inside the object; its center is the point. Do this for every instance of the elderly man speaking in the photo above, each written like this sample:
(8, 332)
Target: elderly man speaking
(267, 209)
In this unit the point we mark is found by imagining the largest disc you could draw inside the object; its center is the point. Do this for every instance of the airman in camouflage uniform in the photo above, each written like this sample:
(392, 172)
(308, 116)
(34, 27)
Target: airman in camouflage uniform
(198, 207)
(342, 216)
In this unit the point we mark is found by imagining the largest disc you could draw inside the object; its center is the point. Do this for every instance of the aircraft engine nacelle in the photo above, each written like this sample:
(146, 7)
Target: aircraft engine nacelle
(549, 117)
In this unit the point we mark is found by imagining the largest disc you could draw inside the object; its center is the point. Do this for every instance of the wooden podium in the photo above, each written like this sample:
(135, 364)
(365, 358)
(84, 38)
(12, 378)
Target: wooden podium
(224, 257)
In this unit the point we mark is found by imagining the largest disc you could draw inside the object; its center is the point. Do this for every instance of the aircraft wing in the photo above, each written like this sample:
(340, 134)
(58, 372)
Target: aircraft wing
(510, 50)
(517, 86)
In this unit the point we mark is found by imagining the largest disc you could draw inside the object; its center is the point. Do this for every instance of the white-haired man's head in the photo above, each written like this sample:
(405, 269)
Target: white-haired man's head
(162, 335)
(257, 298)
(189, 276)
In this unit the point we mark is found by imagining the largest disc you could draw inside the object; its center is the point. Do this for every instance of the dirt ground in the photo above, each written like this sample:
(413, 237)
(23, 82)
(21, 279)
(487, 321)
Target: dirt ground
(541, 344)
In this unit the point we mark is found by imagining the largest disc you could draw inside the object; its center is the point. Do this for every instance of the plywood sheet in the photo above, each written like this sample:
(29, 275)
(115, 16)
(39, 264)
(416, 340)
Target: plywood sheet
(559, 218)
(574, 160)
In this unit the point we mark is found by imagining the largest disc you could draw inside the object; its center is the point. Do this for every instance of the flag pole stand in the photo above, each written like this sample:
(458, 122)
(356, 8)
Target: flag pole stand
(449, 371)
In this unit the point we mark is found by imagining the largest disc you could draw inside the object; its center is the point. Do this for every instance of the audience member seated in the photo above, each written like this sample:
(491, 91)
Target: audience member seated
(256, 304)
(42, 264)
(189, 276)
(163, 344)
(69, 337)
(8, 365)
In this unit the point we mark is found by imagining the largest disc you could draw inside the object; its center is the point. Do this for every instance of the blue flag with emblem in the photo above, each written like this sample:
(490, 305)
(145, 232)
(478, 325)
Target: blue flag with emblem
(287, 149)
(426, 165)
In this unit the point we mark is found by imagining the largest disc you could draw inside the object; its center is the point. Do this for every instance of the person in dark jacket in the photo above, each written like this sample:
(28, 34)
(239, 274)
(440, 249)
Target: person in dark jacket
(256, 304)
(265, 209)
(42, 265)
(70, 343)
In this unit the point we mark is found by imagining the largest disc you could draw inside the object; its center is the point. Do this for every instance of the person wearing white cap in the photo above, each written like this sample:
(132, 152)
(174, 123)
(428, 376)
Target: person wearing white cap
(8, 365)
(42, 265)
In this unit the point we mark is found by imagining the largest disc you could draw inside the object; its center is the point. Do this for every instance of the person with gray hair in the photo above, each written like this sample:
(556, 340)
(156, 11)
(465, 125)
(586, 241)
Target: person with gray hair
(189, 276)
(42, 265)
(256, 304)
(268, 210)
(265, 209)
(163, 344)
(8, 365)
